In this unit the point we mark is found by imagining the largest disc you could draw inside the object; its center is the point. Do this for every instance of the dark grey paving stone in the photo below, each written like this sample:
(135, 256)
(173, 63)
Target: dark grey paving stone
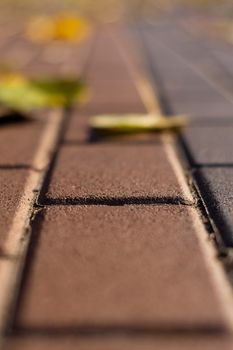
(216, 186)
(200, 54)
(202, 109)
(183, 43)
(210, 145)
(226, 58)
(201, 95)
(173, 73)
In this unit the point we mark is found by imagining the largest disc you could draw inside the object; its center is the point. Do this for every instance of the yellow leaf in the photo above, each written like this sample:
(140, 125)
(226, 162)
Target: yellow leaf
(63, 27)
(131, 123)
(71, 28)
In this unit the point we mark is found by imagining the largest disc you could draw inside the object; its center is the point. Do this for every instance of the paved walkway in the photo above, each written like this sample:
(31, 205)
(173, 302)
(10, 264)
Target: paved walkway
(104, 244)
(195, 78)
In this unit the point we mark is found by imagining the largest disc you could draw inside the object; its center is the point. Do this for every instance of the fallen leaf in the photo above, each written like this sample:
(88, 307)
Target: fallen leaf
(22, 94)
(63, 27)
(131, 123)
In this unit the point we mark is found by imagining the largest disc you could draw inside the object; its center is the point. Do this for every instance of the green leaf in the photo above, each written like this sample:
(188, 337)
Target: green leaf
(58, 91)
(26, 94)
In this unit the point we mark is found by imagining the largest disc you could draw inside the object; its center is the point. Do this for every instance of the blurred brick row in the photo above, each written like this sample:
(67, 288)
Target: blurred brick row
(195, 81)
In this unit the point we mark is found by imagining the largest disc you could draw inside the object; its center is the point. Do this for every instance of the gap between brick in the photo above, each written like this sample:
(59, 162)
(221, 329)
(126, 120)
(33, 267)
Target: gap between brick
(118, 330)
(116, 201)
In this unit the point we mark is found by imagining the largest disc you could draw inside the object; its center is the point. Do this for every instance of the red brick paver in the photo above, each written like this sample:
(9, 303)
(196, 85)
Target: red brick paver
(25, 137)
(12, 186)
(114, 171)
(119, 266)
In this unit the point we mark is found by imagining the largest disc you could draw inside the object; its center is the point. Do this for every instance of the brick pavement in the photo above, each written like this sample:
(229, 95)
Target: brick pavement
(193, 79)
(118, 256)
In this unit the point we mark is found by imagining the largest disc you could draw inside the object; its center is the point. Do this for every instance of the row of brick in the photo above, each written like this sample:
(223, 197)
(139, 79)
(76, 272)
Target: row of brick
(18, 144)
(187, 89)
(20, 138)
(175, 57)
(101, 263)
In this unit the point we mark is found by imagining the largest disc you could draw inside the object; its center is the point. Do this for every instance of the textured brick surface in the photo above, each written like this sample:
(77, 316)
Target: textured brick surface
(225, 57)
(18, 142)
(124, 276)
(197, 109)
(19, 47)
(216, 186)
(11, 188)
(120, 171)
(118, 267)
(198, 53)
(60, 59)
(79, 131)
(175, 72)
(107, 108)
(107, 63)
(210, 145)
(108, 72)
(200, 93)
(121, 92)
(105, 50)
(152, 342)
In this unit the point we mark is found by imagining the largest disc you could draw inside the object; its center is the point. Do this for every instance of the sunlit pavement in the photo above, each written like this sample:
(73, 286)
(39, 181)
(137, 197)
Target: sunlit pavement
(129, 240)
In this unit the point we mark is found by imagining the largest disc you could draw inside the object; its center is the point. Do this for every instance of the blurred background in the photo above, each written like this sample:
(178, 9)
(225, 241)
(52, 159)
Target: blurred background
(45, 38)
(218, 15)
(210, 18)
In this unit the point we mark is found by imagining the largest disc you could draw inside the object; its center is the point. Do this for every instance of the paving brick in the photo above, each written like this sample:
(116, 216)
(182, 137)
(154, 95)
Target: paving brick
(197, 53)
(123, 342)
(225, 57)
(216, 185)
(57, 59)
(116, 108)
(176, 74)
(62, 59)
(205, 103)
(18, 142)
(114, 93)
(107, 62)
(210, 145)
(202, 110)
(78, 131)
(106, 50)
(117, 266)
(179, 40)
(20, 48)
(12, 185)
(118, 96)
(109, 72)
(110, 83)
(202, 96)
(105, 171)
